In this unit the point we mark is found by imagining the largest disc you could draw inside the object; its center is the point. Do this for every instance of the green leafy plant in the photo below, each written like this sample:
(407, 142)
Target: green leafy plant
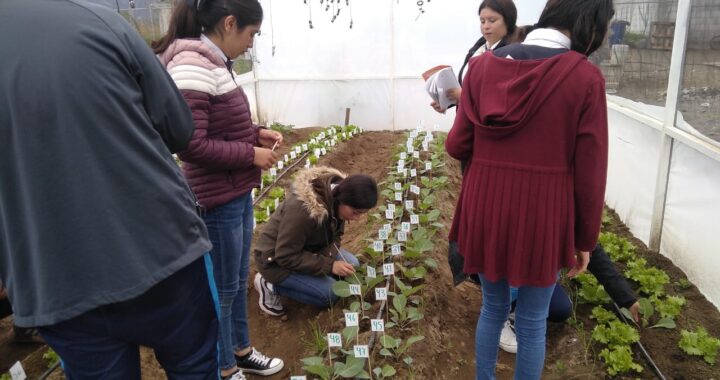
(385, 372)
(683, 283)
(700, 343)
(602, 315)
(276, 193)
(651, 280)
(618, 248)
(352, 367)
(670, 306)
(619, 360)
(261, 216)
(396, 349)
(5, 376)
(615, 333)
(282, 128)
(316, 342)
(591, 291)
(402, 314)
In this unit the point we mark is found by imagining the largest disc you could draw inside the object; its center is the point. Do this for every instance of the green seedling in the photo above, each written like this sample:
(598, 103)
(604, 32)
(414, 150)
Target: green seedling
(591, 291)
(396, 349)
(403, 315)
(385, 372)
(352, 367)
(276, 193)
(618, 248)
(651, 280)
(700, 343)
(619, 360)
(615, 333)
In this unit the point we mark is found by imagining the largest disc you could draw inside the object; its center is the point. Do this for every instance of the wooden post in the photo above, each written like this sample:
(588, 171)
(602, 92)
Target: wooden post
(347, 116)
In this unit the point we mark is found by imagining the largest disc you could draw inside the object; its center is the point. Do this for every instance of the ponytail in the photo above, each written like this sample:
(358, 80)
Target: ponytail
(193, 17)
(184, 23)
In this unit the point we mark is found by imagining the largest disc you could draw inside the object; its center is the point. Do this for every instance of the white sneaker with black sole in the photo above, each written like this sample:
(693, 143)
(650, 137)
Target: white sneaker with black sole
(238, 375)
(508, 340)
(269, 301)
(257, 363)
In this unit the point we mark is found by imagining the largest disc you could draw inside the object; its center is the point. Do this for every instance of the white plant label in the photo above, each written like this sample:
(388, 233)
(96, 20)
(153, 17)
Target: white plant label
(277, 203)
(429, 135)
(378, 246)
(267, 211)
(307, 163)
(415, 189)
(391, 207)
(405, 227)
(409, 205)
(344, 135)
(333, 142)
(304, 147)
(377, 325)
(361, 351)
(273, 172)
(414, 219)
(396, 250)
(298, 150)
(298, 378)
(413, 172)
(313, 141)
(403, 155)
(355, 289)
(293, 155)
(405, 173)
(381, 294)
(371, 272)
(351, 319)
(322, 136)
(387, 227)
(410, 149)
(324, 152)
(401, 163)
(334, 340)
(389, 214)
(281, 165)
(388, 269)
(382, 234)
(17, 372)
(416, 154)
(317, 152)
(428, 166)
(425, 146)
(398, 186)
(398, 196)
(402, 236)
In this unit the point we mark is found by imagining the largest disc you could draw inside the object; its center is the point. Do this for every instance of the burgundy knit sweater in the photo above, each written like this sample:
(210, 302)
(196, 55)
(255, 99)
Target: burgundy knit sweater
(535, 132)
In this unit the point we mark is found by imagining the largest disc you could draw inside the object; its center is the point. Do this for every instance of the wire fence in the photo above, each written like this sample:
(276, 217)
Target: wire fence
(636, 58)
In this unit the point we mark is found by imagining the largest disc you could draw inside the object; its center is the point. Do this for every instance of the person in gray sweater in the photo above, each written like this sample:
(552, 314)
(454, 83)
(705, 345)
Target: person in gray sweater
(101, 246)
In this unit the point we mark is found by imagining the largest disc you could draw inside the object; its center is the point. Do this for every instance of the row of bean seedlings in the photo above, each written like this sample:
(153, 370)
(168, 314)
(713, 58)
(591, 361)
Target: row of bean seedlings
(267, 198)
(397, 261)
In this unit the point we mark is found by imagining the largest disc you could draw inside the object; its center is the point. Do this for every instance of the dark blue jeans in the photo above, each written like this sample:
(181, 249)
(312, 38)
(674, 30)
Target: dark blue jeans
(230, 228)
(313, 290)
(177, 318)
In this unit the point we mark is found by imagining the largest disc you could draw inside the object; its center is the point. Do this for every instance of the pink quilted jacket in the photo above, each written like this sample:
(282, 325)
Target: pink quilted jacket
(218, 162)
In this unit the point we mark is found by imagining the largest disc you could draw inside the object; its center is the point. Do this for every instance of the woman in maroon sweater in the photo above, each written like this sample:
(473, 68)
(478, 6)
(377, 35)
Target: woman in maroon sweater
(532, 121)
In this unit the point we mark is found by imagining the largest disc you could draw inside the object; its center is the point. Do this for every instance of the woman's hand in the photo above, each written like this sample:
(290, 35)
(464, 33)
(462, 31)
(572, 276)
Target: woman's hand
(454, 94)
(264, 158)
(436, 107)
(268, 138)
(342, 268)
(635, 311)
(583, 259)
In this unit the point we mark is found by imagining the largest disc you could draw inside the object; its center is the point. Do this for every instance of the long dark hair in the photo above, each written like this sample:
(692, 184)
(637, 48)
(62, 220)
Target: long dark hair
(358, 191)
(587, 21)
(192, 17)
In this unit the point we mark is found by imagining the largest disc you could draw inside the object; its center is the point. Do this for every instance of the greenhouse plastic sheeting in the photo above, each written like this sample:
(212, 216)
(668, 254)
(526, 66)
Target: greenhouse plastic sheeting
(308, 77)
(690, 234)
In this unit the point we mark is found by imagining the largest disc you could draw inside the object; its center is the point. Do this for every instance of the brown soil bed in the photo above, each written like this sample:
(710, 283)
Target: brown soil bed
(451, 312)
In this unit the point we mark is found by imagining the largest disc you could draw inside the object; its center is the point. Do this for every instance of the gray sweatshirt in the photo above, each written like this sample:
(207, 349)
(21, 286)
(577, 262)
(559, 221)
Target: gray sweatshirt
(93, 208)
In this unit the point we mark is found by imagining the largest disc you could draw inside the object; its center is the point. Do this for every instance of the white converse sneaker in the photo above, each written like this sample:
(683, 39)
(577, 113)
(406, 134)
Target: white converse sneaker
(238, 375)
(269, 300)
(508, 341)
(257, 363)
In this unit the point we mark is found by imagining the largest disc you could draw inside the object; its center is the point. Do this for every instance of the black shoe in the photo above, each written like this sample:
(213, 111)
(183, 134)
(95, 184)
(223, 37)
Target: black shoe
(259, 364)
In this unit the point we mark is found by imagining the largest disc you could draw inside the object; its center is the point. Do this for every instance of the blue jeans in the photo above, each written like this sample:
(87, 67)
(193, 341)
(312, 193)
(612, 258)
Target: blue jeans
(177, 318)
(313, 290)
(560, 305)
(230, 228)
(530, 326)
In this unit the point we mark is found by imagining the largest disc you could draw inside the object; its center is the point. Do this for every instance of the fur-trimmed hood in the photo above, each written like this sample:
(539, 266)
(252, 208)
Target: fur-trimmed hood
(314, 201)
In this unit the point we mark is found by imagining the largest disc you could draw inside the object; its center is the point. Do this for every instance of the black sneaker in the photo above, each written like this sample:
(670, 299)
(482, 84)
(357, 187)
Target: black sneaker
(269, 301)
(259, 364)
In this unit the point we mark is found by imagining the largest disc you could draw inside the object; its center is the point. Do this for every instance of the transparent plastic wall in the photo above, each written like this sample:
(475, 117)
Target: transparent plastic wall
(308, 77)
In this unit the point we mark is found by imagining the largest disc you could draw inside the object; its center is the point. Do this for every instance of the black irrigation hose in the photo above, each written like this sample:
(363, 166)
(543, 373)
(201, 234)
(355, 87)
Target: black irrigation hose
(49, 371)
(653, 366)
(267, 189)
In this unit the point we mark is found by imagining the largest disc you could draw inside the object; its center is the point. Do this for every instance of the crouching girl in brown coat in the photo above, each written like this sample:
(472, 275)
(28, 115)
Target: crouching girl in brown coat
(299, 248)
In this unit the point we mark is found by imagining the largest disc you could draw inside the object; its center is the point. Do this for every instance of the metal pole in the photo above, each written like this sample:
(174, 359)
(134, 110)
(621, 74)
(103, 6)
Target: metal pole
(677, 63)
